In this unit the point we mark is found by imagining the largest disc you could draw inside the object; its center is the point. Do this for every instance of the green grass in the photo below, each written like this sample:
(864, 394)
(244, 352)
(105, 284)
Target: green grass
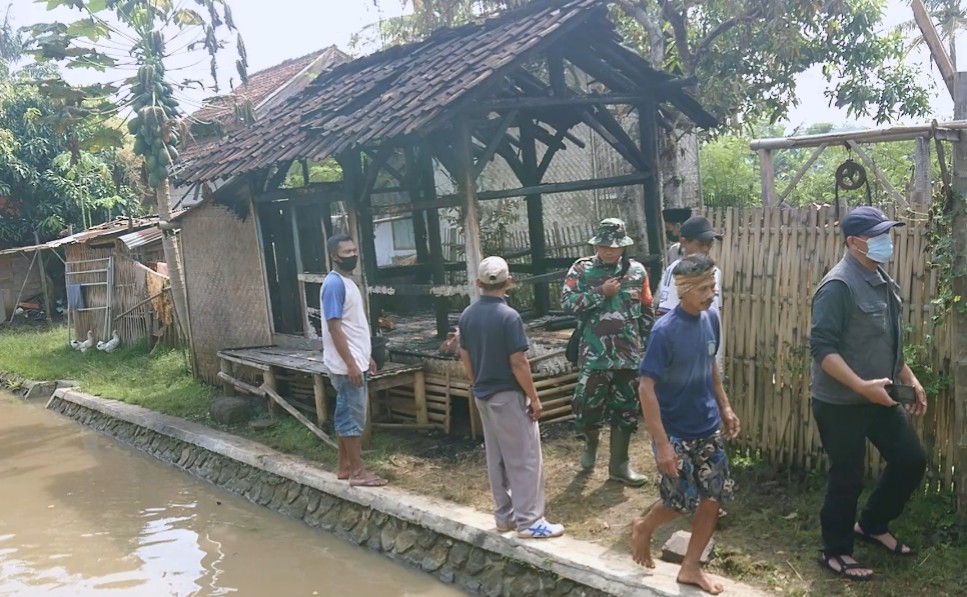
(774, 537)
(161, 382)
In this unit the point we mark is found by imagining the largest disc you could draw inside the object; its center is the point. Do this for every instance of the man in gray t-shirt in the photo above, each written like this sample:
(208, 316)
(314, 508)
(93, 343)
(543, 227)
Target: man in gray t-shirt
(492, 348)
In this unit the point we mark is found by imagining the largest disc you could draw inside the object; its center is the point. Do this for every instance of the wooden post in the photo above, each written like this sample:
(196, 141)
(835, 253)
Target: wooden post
(319, 393)
(937, 51)
(414, 190)
(43, 277)
(226, 367)
(922, 179)
(419, 398)
(959, 348)
(441, 305)
(767, 177)
(535, 213)
(648, 133)
(468, 188)
(269, 381)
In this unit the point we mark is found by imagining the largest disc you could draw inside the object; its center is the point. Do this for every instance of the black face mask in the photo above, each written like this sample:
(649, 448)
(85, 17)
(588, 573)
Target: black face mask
(671, 236)
(348, 264)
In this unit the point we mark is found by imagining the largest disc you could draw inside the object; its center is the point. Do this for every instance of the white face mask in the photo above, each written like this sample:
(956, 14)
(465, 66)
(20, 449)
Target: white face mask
(880, 248)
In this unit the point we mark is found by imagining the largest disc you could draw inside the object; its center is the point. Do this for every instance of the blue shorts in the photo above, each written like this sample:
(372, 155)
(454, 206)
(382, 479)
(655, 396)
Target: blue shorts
(351, 403)
(703, 474)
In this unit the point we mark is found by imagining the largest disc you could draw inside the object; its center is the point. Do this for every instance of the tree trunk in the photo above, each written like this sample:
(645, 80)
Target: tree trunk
(679, 168)
(172, 259)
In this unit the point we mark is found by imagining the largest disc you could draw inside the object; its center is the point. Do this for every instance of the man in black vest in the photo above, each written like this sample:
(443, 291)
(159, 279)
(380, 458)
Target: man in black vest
(856, 341)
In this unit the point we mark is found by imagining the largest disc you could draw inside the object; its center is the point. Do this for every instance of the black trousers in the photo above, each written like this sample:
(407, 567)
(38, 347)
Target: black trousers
(844, 431)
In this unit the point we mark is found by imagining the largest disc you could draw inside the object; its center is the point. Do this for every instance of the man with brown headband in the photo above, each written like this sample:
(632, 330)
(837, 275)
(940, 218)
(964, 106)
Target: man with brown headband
(609, 293)
(689, 417)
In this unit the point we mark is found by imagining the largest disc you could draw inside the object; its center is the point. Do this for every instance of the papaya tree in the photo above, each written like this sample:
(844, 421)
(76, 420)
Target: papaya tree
(142, 32)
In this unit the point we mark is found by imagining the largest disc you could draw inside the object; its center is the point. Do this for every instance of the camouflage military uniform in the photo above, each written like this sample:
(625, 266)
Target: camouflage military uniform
(612, 342)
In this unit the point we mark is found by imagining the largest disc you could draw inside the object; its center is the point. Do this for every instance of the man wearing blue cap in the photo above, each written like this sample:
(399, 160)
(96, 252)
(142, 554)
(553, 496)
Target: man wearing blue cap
(856, 341)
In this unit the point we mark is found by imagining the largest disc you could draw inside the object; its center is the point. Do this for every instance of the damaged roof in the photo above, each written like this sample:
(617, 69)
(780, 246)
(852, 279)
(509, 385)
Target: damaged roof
(417, 88)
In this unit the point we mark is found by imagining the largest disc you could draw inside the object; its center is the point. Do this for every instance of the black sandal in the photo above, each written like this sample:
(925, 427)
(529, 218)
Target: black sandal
(896, 551)
(844, 568)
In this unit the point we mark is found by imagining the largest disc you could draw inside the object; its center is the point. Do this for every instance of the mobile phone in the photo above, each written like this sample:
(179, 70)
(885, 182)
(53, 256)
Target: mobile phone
(901, 393)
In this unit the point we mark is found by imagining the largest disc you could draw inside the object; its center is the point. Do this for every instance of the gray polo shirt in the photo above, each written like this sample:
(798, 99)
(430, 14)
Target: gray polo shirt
(491, 331)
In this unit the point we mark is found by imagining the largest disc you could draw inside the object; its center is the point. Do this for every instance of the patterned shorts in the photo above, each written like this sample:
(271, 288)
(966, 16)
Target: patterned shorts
(703, 474)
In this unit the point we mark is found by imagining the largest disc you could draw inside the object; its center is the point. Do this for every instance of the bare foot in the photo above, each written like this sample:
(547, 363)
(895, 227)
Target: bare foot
(698, 578)
(641, 543)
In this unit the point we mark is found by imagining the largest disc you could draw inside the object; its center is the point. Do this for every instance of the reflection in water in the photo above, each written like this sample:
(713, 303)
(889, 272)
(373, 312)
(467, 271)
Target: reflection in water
(82, 515)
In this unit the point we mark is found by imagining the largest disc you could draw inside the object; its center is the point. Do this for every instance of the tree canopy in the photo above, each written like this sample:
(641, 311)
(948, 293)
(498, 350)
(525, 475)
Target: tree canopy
(746, 54)
(53, 173)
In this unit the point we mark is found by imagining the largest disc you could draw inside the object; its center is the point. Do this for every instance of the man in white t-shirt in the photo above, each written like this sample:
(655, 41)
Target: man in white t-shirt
(697, 237)
(347, 354)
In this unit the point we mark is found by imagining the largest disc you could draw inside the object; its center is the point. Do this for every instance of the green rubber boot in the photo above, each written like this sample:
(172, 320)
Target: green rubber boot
(618, 467)
(590, 449)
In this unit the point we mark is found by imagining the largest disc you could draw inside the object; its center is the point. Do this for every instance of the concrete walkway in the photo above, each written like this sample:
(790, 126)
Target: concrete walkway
(583, 563)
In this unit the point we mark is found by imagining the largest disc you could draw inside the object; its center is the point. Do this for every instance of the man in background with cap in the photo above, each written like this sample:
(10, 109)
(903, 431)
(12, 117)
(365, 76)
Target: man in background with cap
(674, 217)
(697, 238)
(856, 341)
(609, 293)
(492, 349)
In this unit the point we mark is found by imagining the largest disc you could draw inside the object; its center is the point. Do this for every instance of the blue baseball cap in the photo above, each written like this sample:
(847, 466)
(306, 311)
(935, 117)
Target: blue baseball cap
(867, 221)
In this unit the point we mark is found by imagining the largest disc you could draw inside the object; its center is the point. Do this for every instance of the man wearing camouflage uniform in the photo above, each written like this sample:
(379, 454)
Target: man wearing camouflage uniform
(610, 295)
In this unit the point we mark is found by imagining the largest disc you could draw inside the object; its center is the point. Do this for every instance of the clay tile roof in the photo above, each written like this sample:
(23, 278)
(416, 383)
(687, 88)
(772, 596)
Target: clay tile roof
(262, 84)
(417, 88)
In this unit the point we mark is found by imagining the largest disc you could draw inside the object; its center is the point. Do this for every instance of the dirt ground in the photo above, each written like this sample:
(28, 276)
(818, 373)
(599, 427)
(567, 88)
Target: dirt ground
(768, 538)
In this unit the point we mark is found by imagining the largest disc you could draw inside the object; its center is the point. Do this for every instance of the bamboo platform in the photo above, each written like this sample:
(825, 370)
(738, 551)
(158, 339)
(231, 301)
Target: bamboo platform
(291, 373)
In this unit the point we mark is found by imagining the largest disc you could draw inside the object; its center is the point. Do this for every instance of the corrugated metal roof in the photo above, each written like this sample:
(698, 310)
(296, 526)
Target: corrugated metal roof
(417, 88)
(142, 237)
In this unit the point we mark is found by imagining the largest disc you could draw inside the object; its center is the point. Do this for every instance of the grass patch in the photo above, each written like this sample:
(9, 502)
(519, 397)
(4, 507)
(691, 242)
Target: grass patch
(161, 382)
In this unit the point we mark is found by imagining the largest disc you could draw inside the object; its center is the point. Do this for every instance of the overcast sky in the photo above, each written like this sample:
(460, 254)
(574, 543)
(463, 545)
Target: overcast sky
(274, 30)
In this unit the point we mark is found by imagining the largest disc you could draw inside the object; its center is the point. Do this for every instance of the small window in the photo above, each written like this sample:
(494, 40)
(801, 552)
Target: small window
(403, 237)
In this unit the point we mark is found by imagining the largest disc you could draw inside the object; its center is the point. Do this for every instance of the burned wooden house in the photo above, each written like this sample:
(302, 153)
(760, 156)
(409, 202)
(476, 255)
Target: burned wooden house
(412, 128)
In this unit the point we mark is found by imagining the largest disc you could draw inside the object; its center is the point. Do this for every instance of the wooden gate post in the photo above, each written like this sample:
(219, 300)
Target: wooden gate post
(959, 348)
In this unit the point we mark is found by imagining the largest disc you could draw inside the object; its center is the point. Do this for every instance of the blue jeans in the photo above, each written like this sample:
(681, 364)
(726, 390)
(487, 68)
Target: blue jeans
(351, 404)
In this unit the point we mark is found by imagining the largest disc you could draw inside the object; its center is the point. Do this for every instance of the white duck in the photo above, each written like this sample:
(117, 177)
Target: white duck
(86, 344)
(111, 344)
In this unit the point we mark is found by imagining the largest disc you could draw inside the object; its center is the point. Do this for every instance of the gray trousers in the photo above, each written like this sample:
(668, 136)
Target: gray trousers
(514, 463)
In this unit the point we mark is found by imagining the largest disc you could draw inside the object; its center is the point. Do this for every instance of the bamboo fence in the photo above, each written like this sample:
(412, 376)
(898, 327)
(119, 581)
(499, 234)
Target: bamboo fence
(772, 259)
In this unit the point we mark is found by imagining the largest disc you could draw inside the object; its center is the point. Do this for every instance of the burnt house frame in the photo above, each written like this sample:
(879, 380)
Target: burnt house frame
(501, 89)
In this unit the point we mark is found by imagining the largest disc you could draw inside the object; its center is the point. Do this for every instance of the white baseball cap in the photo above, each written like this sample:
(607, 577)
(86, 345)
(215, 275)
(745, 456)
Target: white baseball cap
(493, 270)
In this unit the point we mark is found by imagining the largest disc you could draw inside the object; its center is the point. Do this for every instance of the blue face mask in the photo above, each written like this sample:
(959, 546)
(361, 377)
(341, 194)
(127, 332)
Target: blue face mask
(880, 248)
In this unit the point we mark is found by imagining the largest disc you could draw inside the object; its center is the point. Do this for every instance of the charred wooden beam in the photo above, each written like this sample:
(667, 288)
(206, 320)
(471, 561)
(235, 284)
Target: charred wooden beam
(323, 191)
(535, 209)
(427, 173)
(562, 187)
(576, 101)
(413, 180)
(648, 133)
(495, 141)
(549, 154)
(278, 177)
(396, 174)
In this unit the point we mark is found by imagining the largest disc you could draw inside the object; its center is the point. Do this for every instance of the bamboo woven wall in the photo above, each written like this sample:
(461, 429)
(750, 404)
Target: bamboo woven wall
(227, 305)
(131, 285)
(14, 270)
(771, 261)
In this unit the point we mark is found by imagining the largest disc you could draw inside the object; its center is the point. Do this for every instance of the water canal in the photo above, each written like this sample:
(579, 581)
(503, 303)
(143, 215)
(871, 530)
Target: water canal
(83, 515)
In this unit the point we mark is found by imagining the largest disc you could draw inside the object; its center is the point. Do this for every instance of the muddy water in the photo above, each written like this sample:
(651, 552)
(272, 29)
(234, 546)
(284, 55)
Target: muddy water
(82, 515)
